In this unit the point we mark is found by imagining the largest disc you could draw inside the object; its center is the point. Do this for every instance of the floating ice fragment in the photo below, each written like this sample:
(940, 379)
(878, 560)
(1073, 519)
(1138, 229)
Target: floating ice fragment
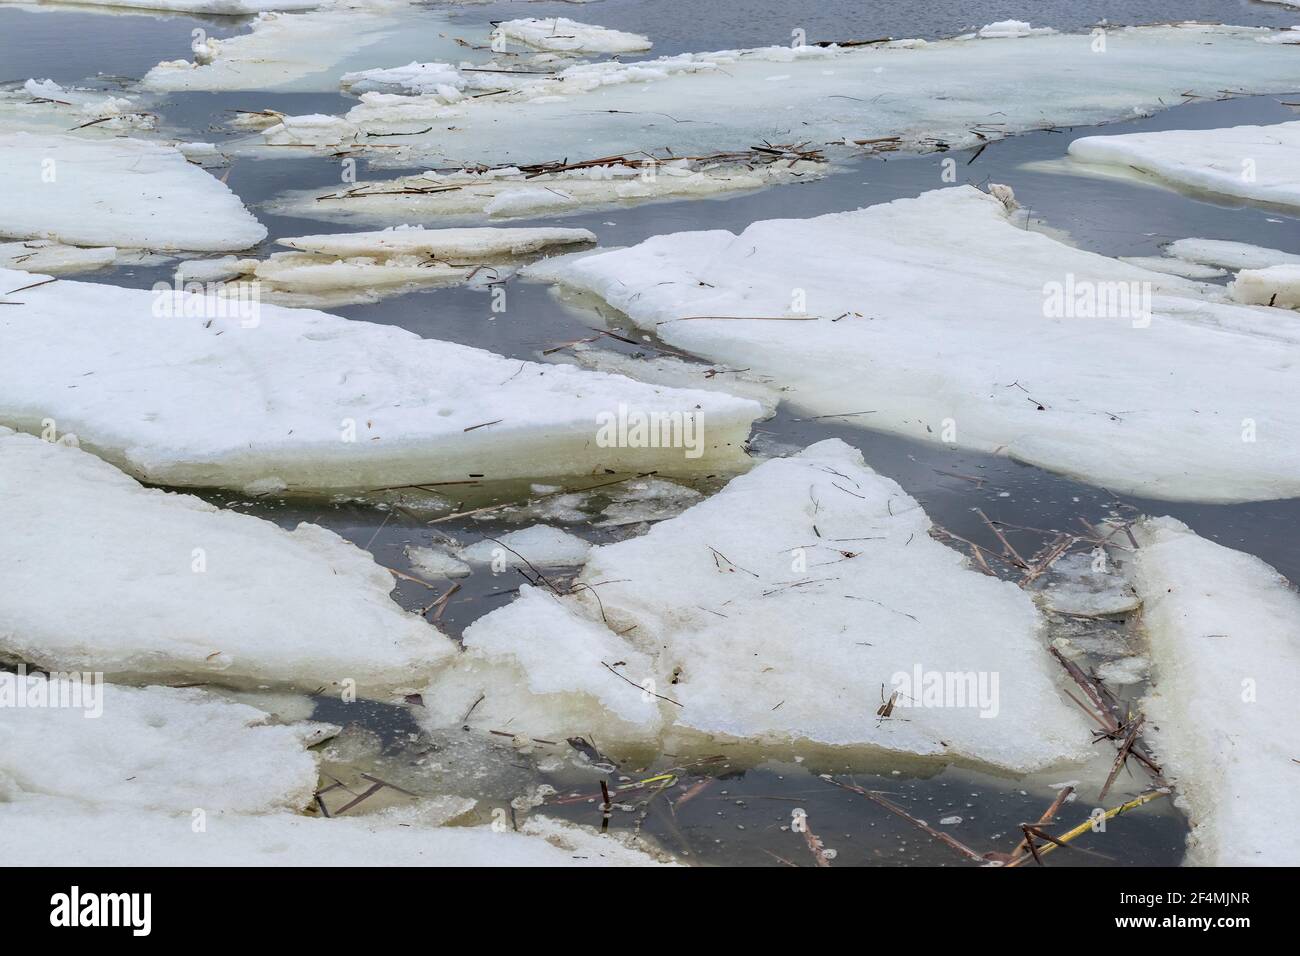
(103, 574)
(1224, 633)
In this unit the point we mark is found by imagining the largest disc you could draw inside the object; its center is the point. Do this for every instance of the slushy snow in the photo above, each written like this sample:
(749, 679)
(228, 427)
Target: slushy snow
(103, 574)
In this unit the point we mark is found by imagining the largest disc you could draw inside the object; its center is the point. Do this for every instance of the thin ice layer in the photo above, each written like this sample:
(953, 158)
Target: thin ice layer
(103, 574)
(1258, 163)
(942, 319)
(152, 748)
(773, 613)
(1224, 632)
(1229, 255)
(701, 102)
(503, 194)
(262, 397)
(58, 833)
(117, 192)
(337, 268)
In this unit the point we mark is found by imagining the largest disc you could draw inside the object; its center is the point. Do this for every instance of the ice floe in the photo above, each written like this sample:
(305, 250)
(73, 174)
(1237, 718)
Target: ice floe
(1258, 163)
(54, 258)
(103, 574)
(782, 610)
(307, 50)
(511, 193)
(1224, 632)
(1277, 286)
(1229, 255)
(562, 35)
(337, 268)
(940, 318)
(54, 832)
(699, 103)
(117, 192)
(151, 748)
(436, 562)
(539, 546)
(261, 397)
(1007, 29)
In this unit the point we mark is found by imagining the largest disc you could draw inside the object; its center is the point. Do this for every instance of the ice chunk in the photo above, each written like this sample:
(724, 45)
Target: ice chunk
(1011, 29)
(514, 194)
(339, 268)
(308, 51)
(1124, 670)
(939, 318)
(46, 107)
(286, 399)
(454, 244)
(1285, 36)
(1224, 631)
(540, 546)
(313, 129)
(1259, 163)
(647, 499)
(699, 103)
(213, 270)
(54, 258)
(1277, 286)
(117, 192)
(1082, 586)
(103, 574)
(1229, 255)
(544, 671)
(55, 832)
(153, 748)
(562, 35)
(773, 613)
(436, 563)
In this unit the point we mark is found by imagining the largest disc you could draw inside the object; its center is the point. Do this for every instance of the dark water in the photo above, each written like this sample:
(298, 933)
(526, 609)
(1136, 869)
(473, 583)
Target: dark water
(738, 808)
